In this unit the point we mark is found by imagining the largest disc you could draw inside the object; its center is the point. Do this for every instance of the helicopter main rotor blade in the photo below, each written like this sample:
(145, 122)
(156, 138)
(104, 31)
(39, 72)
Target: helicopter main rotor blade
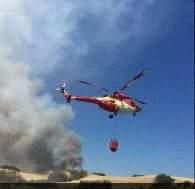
(138, 76)
(140, 101)
(91, 84)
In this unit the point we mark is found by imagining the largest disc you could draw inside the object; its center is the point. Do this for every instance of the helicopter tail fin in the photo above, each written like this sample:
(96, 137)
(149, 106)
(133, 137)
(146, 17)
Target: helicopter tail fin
(66, 94)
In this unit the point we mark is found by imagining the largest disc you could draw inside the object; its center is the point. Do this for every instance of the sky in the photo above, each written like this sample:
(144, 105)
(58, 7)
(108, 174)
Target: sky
(48, 42)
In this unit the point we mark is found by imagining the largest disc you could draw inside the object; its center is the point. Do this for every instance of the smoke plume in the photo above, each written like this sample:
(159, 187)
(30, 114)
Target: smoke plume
(51, 35)
(32, 134)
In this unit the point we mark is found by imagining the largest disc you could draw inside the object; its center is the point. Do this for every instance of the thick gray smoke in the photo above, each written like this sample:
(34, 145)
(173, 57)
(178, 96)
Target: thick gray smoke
(32, 134)
(51, 34)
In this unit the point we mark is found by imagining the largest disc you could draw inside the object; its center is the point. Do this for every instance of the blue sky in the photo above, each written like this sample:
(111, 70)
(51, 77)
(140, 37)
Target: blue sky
(160, 138)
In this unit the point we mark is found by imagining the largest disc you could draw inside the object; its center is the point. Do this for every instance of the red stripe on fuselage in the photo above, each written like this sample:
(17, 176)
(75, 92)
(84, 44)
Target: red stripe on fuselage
(104, 104)
(85, 99)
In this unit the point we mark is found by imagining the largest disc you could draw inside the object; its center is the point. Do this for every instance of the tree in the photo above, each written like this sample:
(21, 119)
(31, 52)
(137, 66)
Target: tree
(77, 174)
(186, 185)
(10, 167)
(99, 174)
(57, 176)
(163, 178)
(137, 175)
(7, 176)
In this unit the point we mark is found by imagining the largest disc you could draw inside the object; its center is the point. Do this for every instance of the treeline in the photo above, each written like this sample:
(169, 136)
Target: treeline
(65, 176)
(9, 173)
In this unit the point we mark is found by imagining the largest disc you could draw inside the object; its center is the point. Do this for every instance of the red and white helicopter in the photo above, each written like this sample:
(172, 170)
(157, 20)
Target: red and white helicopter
(116, 103)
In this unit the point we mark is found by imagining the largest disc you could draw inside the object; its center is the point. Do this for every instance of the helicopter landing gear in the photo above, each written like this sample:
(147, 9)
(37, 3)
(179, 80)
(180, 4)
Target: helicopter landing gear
(69, 98)
(134, 114)
(111, 116)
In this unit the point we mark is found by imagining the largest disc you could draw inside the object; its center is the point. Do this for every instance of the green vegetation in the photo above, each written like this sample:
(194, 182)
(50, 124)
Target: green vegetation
(10, 176)
(186, 185)
(137, 175)
(99, 174)
(63, 176)
(57, 176)
(10, 167)
(163, 178)
(77, 174)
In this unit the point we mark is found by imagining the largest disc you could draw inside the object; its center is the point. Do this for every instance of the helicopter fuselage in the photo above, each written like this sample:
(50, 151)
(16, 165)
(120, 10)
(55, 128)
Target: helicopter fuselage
(111, 104)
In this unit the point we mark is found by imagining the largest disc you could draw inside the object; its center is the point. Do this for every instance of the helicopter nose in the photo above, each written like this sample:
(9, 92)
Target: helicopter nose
(138, 109)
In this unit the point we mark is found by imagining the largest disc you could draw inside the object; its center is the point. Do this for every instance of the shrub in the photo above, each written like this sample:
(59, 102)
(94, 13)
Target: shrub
(10, 176)
(137, 175)
(187, 184)
(163, 178)
(77, 174)
(10, 167)
(99, 174)
(57, 176)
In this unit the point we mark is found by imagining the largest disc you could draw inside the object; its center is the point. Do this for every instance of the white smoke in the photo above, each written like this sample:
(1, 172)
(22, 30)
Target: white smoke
(32, 134)
(51, 34)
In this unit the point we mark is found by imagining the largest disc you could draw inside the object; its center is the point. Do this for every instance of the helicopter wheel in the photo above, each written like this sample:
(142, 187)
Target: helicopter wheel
(134, 114)
(111, 116)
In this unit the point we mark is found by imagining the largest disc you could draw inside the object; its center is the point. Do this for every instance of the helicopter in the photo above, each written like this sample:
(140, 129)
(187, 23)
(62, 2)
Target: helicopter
(115, 103)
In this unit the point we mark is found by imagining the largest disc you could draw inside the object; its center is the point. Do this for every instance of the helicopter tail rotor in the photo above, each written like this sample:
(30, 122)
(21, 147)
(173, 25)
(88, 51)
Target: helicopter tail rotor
(64, 92)
(61, 89)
